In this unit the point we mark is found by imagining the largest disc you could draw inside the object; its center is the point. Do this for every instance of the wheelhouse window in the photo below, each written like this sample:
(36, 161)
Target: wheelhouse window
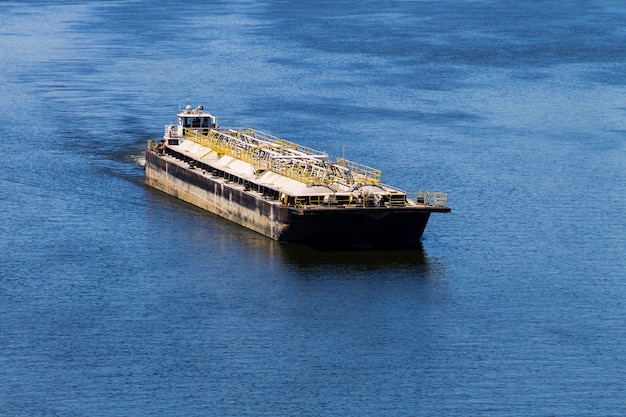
(197, 122)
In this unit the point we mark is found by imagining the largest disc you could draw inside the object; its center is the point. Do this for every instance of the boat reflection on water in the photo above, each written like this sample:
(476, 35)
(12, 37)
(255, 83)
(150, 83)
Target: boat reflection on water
(303, 256)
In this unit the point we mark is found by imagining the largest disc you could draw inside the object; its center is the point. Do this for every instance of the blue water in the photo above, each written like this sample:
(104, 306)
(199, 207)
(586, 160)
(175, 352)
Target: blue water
(116, 300)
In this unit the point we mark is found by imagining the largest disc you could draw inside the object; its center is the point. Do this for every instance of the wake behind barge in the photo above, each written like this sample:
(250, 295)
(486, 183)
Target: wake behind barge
(283, 190)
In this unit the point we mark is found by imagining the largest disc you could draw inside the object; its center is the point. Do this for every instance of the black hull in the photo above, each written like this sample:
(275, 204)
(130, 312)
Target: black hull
(357, 227)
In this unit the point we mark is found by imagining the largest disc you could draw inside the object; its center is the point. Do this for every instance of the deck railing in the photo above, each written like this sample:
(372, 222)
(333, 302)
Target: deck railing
(434, 198)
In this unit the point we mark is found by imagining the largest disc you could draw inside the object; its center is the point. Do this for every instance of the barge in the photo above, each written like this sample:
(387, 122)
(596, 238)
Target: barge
(283, 190)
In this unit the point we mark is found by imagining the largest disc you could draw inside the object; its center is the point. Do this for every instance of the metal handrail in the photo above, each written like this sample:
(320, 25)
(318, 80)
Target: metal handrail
(431, 198)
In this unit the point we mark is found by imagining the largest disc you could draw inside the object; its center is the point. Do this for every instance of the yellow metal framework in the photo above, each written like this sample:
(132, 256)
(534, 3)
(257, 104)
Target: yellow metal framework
(267, 152)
